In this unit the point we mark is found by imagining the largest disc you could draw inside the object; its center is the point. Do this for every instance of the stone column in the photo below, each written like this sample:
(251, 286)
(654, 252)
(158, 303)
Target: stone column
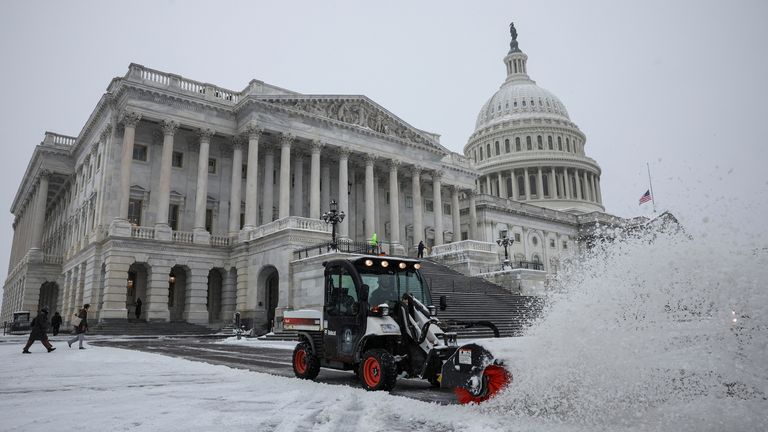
(514, 186)
(527, 181)
(552, 184)
(236, 186)
(115, 286)
(39, 215)
(540, 185)
(195, 311)
(268, 200)
(298, 188)
(130, 120)
(156, 302)
(162, 229)
(344, 192)
(325, 190)
(228, 295)
(284, 207)
(597, 189)
(251, 178)
(568, 186)
(472, 215)
(314, 182)
(394, 209)
(587, 192)
(438, 206)
(578, 184)
(502, 186)
(455, 213)
(201, 235)
(418, 213)
(370, 197)
(488, 186)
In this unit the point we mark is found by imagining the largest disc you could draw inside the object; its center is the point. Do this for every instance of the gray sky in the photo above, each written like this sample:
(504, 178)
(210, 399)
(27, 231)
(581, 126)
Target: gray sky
(678, 84)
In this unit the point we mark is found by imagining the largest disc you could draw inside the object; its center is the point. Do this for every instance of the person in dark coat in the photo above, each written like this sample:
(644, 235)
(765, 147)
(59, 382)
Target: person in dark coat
(81, 328)
(138, 308)
(39, 329)
(421, 249)
(56, 323)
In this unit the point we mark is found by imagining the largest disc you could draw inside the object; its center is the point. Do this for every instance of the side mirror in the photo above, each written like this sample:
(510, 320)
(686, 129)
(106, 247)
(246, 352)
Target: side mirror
(363, 294)
(443, 303)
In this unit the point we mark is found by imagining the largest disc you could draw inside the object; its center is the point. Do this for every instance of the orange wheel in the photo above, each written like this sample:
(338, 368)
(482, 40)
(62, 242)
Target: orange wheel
(372, 371)
(305, 363)
(494, 379)
(300, 362)
(378, 370)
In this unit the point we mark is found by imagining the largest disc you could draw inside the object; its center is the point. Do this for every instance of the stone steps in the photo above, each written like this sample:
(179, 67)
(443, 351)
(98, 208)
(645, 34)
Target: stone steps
(135, 327)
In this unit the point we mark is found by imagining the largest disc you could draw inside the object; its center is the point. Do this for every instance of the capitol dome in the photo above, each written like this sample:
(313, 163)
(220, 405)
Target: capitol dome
(527, 149)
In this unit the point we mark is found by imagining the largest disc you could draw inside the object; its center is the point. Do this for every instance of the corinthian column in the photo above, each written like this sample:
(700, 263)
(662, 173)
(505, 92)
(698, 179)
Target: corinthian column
(394, 208)
(298, 189)
(472, 215)
(130, 120)
(455, 212)
(201, 196)
(370, 197)
(164, 192)
(39, 215)
(343, 191)
(236, 185)
(284, 209)
(252, 176)
(268, 199)
(578, 184)
(438, 206)
(418, 214)
(314, 181)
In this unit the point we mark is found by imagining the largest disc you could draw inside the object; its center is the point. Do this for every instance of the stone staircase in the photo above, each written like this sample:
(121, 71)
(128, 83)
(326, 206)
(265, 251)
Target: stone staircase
(141, 328)
(475, 299)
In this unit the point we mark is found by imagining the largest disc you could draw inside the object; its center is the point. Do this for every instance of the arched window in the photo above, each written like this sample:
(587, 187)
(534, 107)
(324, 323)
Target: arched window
(520, 186)
(506, 145)
(528, 143)
(474, 153)
(549, 142)
(560, 143)
(481, 152)
(540, 142)
(536, 258)
(488, 148)
(568, 144)
(514, 103)
(545, 184)
(532, 181)
(517, 143)
(497, 148)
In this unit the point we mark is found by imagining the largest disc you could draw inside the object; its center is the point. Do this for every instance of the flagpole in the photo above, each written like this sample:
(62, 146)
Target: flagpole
(653, 197)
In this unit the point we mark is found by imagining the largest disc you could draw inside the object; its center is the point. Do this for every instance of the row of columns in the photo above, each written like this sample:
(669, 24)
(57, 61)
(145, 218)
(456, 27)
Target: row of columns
(317, 174)
(559, 182)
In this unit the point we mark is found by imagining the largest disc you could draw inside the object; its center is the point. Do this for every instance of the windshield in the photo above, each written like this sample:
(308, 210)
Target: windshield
(388, 286)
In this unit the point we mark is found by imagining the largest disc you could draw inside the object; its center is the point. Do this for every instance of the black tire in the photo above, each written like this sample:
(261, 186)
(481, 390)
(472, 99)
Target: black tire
(378, 370)
(306, 365)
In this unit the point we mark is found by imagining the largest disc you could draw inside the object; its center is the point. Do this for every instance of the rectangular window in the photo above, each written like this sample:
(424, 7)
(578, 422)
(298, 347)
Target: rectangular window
(517, 237)
(140, 152)
(503, 234)
(242, 220)
(565, 244)
(244, 173)
(446, 209)
(464, 235)
(552, 243)
(98, 161)
(211, 166)
(134, 212)
(209, 220)
(429, 205)
(408, 201)
(177, 160)
(387, 197)
(173, 217)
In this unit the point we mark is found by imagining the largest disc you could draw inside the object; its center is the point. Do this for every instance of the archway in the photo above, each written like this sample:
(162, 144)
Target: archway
(49, 295)
(213, 301)
(177, 292)
(269, 287)
(136, 290)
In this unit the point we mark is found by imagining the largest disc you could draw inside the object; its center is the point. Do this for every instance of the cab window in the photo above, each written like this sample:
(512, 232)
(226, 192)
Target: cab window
(340, 292)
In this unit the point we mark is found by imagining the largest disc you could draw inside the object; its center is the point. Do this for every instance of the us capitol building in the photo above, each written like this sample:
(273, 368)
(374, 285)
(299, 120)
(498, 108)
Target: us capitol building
(195, 199)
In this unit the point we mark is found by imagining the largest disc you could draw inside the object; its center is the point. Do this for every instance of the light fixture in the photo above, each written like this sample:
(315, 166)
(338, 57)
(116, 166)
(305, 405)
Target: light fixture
(368, 263)
(130, 283)
(385, 264)
(417, 266)
(402, 266)
(171, 278)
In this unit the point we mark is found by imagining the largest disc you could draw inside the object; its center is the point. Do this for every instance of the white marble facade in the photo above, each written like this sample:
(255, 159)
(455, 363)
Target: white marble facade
(193, 198)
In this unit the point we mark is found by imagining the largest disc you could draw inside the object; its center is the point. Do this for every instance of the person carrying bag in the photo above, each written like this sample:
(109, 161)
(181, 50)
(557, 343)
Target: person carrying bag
(80, 321)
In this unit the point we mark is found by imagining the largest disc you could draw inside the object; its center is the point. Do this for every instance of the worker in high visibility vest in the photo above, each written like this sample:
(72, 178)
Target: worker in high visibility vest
(374, 243)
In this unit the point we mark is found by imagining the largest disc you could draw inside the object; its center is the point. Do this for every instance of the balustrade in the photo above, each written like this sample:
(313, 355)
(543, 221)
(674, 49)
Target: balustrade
(464, 245)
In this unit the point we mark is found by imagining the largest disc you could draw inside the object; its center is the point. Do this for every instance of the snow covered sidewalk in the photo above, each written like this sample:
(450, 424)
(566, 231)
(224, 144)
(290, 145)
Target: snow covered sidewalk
(101, 389)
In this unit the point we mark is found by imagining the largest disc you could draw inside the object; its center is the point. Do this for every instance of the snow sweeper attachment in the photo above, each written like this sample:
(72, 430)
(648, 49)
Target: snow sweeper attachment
(374, 321)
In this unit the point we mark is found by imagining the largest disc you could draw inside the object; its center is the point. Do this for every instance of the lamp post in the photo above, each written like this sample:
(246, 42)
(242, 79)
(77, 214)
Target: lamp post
(333, 217)
(506, 242)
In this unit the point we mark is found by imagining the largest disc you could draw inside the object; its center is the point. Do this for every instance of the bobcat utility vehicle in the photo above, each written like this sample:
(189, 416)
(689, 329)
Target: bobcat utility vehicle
(377, 319)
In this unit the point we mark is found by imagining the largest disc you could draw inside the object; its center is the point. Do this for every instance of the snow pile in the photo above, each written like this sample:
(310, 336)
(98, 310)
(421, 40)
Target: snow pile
(642, 334)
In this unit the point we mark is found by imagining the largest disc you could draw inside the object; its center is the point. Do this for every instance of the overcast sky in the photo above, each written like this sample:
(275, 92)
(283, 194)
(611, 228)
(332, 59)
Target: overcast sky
(680, 84)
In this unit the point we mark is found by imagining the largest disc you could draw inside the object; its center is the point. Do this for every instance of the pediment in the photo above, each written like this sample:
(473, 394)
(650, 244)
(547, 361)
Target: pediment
(359, 111)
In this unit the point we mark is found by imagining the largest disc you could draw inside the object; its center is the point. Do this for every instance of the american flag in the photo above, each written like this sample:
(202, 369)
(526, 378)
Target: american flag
(646, 197)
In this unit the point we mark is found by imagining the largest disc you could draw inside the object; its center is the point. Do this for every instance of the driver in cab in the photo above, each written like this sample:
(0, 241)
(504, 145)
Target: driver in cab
(385, 293)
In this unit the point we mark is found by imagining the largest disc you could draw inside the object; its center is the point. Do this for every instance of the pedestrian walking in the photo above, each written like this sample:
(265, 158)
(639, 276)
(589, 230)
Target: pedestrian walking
(56, 323)
(39, 329)
(421, 249)
(81, 327)
(138, 308)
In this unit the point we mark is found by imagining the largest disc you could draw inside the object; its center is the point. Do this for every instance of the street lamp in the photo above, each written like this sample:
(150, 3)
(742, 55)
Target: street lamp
(333, 217)
(506, 242)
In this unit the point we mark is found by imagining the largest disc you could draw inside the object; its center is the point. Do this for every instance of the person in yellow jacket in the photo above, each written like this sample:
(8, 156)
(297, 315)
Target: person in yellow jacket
(374, 243)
